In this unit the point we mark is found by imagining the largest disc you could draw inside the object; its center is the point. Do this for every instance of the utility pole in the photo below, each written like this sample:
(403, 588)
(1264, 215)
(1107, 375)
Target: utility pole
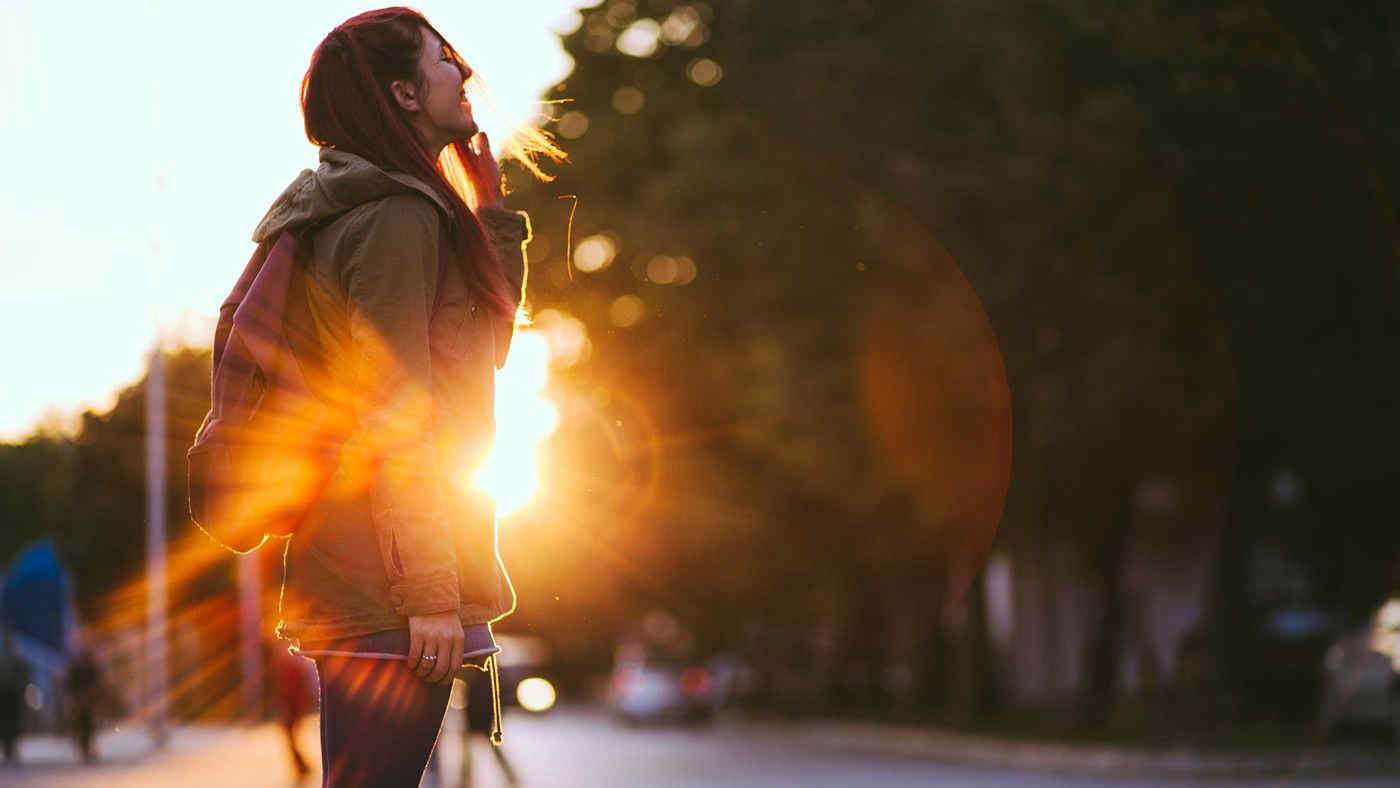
(250, 632)
(155, 693)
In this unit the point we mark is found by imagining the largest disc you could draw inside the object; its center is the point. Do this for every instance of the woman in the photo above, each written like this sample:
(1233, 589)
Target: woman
(410, 283)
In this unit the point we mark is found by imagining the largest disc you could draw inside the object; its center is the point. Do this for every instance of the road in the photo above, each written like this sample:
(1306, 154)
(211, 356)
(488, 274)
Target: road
(578, 749)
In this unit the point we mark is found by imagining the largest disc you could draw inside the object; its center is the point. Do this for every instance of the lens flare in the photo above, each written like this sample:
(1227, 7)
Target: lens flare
(524, 418)
(535, 694)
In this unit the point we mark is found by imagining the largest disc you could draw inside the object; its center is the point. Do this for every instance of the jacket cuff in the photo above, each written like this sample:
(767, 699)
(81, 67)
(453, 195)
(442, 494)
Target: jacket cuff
(423, 595)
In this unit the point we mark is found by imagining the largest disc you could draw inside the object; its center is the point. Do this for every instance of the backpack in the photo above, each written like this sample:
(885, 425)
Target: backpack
(267, 447)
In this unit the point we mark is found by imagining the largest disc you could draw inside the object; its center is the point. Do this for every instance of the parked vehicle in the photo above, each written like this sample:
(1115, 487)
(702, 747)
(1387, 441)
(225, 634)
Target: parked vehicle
(661, 691)
(660, 676)
(1290, 639)
(1362, 673)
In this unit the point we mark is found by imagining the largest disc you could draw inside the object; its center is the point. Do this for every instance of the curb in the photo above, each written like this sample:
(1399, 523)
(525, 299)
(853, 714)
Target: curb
(1038, 756)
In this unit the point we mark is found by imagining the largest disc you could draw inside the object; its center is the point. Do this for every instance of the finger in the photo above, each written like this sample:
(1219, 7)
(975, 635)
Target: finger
(415, 647)
(431, 647)
(441, 665)
(455, 662)
(422, 664)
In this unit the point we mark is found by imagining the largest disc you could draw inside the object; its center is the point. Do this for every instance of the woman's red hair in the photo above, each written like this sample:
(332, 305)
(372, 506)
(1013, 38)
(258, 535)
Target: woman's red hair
(347, 104)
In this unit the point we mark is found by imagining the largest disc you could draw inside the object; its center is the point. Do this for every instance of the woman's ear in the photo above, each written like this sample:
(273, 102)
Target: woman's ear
(406, 93)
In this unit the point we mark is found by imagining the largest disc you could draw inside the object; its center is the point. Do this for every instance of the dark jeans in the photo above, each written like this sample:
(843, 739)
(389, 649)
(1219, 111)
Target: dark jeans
(379, 721)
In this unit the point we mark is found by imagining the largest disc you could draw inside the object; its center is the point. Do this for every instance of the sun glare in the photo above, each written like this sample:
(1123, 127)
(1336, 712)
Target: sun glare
(524, 418)
(535, 694)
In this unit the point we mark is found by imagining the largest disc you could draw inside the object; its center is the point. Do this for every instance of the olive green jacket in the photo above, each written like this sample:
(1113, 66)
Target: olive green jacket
(398, 531)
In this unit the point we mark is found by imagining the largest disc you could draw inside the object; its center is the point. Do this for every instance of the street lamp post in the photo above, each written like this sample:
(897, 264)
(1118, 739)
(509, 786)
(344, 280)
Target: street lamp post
(155, 545)
(250, 632)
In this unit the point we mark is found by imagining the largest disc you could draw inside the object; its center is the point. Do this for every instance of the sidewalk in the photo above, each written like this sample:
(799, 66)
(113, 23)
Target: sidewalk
(1090, 759)
(233, 756)
(210, 756)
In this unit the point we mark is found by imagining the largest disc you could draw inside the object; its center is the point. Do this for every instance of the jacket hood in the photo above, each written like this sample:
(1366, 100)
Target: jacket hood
(342, 181)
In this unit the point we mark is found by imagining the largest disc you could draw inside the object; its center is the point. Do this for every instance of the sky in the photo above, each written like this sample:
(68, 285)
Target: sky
(141, 144)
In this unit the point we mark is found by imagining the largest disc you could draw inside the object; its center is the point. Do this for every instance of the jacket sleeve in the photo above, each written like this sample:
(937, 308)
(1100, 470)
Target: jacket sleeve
(508, 232)
(391, 278)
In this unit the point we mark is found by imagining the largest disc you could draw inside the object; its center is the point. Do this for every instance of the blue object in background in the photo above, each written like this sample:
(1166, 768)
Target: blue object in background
(34, 599)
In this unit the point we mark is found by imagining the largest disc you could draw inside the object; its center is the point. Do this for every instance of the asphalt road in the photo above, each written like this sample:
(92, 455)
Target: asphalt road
(577, 749)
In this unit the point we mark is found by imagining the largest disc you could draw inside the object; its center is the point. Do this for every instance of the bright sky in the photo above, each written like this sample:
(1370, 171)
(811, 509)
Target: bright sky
(141, 144)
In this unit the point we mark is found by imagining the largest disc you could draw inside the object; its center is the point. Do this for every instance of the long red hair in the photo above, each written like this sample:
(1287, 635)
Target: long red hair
(347, 104)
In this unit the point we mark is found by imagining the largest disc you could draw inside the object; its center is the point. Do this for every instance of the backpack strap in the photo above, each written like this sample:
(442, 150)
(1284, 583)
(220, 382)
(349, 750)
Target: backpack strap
(237, 296)
(258, 301)
(259, 316)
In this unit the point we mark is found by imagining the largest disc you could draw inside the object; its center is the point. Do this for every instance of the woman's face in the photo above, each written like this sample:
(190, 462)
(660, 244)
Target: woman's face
(445, 114)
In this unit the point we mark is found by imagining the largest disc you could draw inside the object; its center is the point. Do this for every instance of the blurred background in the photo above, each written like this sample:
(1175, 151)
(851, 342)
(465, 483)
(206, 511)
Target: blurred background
(1021, 371)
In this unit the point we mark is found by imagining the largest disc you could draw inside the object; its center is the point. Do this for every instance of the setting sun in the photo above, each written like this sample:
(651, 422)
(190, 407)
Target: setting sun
(524, 418)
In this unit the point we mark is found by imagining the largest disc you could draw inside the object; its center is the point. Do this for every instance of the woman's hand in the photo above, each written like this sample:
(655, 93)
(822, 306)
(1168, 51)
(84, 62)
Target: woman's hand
(483, 173)
(435, 646)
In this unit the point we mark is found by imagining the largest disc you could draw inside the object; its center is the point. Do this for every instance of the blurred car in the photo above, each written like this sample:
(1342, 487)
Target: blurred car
(664, 691)
(1291, 640)
(1362, 673)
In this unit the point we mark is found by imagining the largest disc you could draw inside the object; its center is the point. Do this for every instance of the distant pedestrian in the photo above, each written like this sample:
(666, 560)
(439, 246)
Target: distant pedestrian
(14, 677)
(84, 685)
(402, 310)
(294, 690)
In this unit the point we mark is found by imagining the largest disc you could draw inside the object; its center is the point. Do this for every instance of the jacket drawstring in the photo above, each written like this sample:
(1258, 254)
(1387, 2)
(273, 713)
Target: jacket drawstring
(493, 669)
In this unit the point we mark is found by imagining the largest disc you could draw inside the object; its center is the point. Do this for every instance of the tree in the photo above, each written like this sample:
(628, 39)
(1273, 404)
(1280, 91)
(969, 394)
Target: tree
(1126, 187)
